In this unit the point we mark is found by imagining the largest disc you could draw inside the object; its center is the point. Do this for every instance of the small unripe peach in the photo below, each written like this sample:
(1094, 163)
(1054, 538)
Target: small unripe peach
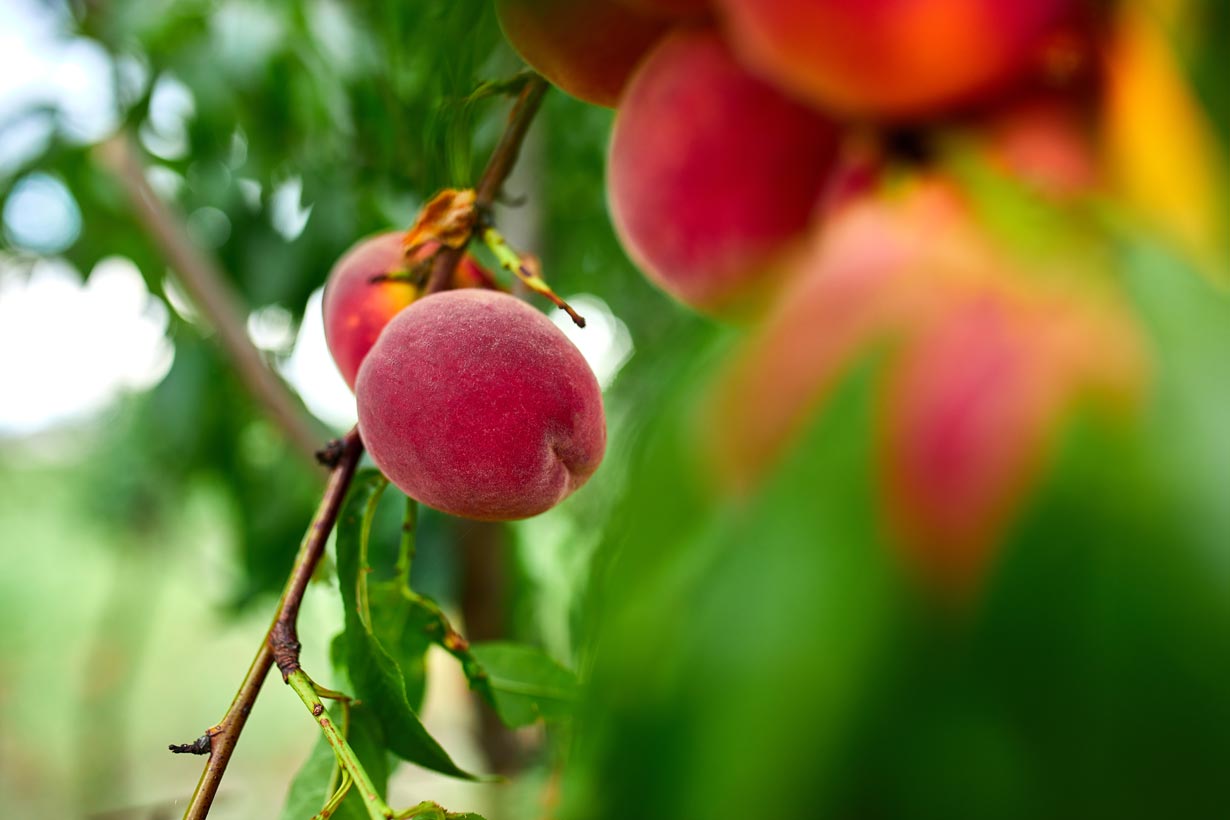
(474, 403)
(888, 58)
(711, 171)
(584, 47)
(356, 308)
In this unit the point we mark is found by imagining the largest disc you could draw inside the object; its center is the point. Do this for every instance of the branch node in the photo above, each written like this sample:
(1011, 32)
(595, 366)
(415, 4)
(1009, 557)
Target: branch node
(285, 646)
(200, 746)
(489, 184)
(331, 453)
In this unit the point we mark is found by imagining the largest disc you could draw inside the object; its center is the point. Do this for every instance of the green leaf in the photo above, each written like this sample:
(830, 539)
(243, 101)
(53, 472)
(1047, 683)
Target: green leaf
(732, 651)
(310, 788)
(376, 676)
(525, 683)
(402, 627)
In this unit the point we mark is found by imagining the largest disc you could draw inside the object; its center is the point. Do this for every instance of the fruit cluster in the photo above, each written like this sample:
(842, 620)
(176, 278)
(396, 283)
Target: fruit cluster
(819, 169)
(469, 400)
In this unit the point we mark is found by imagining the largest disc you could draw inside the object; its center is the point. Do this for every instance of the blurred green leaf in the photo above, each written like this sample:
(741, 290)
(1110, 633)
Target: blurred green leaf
(376, 677)
(731, 650)
(526, 683)
(309, 790)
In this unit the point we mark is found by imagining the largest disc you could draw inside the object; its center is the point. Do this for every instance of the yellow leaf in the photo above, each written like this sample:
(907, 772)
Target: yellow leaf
(1162, 151)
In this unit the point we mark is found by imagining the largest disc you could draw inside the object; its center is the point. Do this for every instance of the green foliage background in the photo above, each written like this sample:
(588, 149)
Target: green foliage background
(762, 662)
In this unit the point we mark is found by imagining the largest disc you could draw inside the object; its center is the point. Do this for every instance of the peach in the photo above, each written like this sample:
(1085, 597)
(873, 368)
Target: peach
(889, 58)
(1047, 142)
(670, 8)
(983, 356)
(972, 409)
(711, 172)
(356, 309)
(587, 48)
(474, 403)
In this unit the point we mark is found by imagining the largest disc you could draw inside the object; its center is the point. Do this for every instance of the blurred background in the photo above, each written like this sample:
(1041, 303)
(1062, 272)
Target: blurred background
(763, 659)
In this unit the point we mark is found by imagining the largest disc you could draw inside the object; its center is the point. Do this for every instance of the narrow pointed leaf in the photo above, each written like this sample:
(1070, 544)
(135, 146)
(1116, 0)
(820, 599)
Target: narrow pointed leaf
(378, 680)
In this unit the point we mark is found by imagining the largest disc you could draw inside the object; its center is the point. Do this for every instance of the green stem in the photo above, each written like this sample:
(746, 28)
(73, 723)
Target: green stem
(377, 809)
(427, 810)
(513, 262)
(339, 794)
(508, 258)
(498, 167)
(405, 556)
(338, 772)
(365, 532)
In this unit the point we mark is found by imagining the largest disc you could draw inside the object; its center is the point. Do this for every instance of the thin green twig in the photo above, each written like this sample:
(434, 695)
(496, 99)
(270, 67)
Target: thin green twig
(377, 809)
(405, 555)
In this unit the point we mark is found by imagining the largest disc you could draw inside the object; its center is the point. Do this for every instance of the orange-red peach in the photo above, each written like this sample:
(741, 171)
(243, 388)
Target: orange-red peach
(474, 403)
(889, 58)
(356, 308)
(711, 171)
(584, 47)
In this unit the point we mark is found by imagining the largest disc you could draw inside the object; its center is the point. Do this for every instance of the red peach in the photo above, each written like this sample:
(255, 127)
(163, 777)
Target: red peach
(356, 309)
(711, 172)
(587, 49)
(888, 58)
(474, 403)
(670, 8)
(1049, 143)
(972, 408)
(983, 354)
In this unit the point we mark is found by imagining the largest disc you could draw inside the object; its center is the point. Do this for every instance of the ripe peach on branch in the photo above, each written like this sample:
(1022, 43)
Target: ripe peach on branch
(711, 171)
(888, 59)
(474, 403)
(372, 283)
(584, 47)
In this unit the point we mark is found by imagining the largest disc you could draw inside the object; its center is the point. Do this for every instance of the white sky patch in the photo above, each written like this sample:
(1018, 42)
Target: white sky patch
(311, 372)
(23, 139)
(165, 182)
(179, 300)
(69, 349)
(41, 63)
(287, 212)
(81, 84)
(271, 329)
(165, 131)
(250, 190)
(604, 341)
(41, 215)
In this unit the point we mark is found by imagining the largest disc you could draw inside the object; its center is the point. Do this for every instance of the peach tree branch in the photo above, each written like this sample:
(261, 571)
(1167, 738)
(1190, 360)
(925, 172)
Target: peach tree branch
(503, 158)
(280, 641)
(207, 286)
(281, 644)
